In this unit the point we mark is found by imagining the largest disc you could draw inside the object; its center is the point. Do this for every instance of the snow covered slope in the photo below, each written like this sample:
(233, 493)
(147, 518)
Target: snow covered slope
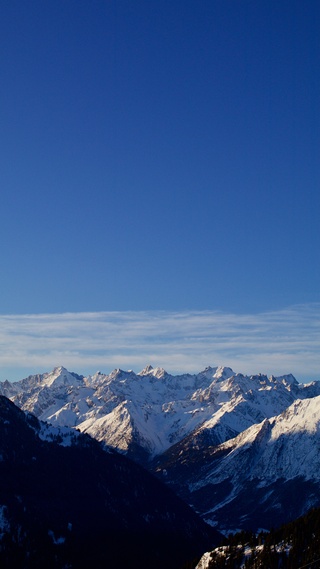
(267, 475)
(145, 414)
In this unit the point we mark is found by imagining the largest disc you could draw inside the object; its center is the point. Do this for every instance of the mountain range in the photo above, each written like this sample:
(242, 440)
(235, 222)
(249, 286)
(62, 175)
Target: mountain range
(242, 450)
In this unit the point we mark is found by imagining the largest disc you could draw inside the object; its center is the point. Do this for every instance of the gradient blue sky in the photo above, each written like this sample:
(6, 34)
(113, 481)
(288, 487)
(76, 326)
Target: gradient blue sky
(159, 156)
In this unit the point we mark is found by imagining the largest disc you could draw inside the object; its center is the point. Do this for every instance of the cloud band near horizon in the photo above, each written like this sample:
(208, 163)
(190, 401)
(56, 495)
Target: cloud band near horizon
(278, 342)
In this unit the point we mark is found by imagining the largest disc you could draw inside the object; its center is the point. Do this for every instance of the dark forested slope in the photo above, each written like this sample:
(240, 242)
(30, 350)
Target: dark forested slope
(71, 503)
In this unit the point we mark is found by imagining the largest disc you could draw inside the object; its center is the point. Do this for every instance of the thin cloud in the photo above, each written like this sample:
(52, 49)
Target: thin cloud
(284, 341)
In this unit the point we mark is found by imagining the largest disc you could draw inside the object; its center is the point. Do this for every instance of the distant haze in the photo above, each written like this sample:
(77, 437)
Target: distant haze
(279, 342)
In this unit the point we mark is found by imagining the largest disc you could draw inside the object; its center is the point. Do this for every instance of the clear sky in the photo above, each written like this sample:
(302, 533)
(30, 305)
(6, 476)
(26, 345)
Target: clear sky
(159, 155)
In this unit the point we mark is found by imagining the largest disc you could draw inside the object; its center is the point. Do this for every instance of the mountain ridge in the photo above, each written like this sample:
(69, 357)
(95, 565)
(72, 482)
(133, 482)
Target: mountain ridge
(157, 409)
(199, 433)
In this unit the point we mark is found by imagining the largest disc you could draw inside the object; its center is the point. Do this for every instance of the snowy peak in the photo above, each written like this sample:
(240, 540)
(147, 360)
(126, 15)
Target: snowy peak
(148, 369)
(223, 373)
(60, 376)
(157, 372)
(216, 373)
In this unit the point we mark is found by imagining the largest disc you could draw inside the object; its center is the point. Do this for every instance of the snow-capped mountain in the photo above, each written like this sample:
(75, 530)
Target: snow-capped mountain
(145, 414)
(211, 436)
(266, 475)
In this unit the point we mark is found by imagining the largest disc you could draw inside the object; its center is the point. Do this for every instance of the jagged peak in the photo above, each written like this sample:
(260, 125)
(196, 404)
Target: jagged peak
(157, 372)
(60, 376)
(223, 372)
(209, 369)
(59, 369)
(289, 379)
(208, 372)
(218, 372)
(116, 371)
(148, 369)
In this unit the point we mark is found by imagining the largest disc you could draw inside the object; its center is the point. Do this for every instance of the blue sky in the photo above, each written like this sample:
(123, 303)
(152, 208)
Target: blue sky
(159, 156)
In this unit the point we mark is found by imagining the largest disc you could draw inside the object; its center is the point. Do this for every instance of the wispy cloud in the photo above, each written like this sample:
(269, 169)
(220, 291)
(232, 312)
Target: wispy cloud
(271, 342)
